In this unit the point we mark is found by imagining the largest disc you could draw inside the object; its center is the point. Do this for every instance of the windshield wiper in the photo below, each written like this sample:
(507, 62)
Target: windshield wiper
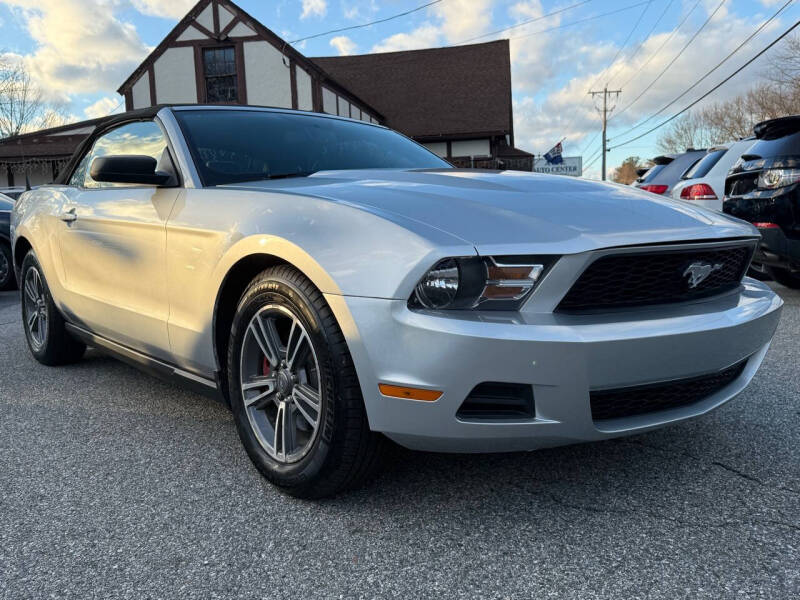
(288, 175)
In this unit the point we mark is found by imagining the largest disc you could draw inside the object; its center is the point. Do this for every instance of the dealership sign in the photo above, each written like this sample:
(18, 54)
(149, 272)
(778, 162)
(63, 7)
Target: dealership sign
(569, 165)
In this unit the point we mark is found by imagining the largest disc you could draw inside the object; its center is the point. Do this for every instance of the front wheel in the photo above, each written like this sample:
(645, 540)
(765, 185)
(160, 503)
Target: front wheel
(48, 339)
(294, 390)
(785, 277)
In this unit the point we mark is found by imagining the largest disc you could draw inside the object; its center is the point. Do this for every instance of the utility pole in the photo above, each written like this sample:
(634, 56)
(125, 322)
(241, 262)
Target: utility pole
(605, 92)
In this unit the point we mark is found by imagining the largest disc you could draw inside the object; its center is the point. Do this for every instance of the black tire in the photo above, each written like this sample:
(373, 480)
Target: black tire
(7, 279)
(58, 347)
(785, 277)
(344, 452)
(760, 272)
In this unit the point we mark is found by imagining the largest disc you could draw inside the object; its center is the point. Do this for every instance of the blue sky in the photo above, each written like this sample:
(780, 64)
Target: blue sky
(81, 50)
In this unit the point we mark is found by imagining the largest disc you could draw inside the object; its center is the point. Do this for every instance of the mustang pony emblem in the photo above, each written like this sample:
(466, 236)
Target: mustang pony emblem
(699, 271)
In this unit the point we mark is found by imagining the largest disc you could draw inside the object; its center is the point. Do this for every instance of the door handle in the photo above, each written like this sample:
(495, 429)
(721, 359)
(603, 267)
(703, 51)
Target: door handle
(69, 216)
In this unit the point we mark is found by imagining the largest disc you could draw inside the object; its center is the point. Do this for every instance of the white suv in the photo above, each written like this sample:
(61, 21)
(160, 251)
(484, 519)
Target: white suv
(704, 183)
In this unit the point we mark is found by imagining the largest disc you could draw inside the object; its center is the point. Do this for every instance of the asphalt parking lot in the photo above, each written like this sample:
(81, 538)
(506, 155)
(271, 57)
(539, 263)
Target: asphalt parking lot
(116, 485)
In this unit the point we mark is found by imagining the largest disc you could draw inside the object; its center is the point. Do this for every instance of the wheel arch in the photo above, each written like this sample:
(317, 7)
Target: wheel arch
(21, 247)
(237, 276)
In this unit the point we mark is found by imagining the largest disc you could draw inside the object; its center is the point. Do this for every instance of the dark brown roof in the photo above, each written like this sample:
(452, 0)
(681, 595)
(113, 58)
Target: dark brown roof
(439, 91)
(55, 142)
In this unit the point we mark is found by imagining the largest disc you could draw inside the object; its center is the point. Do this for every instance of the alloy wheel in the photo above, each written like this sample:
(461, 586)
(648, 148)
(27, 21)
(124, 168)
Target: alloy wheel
(280, 383)
(35, 308)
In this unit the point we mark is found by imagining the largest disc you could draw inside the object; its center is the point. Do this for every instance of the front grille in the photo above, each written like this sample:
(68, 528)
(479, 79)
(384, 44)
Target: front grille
(640, 400)
(495, 400)
(645, 278)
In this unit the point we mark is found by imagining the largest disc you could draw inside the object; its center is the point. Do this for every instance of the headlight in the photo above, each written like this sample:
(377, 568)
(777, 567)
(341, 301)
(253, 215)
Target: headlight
(770, 179)
(492, 283)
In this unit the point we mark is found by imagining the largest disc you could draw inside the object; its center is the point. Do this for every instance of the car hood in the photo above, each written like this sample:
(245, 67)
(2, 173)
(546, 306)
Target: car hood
(510, 211)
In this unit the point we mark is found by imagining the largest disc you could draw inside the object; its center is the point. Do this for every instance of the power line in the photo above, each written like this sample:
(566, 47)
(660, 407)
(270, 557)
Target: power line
(709, 92)
(718, 65)
(578, 22)
(351, 27)
(661, 47)
(665, 69)
(523, 23)
(646, 37)
(624, 44)
(613, 60)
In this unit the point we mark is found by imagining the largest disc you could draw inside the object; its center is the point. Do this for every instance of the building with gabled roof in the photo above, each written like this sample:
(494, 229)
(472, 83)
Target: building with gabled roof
(454, 100)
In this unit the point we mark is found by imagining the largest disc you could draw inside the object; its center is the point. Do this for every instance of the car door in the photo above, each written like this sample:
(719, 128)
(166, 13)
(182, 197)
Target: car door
(113, 244)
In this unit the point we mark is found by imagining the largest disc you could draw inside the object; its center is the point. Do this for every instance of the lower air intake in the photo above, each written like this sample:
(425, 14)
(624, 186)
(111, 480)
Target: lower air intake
(493, 400)
(631, 401)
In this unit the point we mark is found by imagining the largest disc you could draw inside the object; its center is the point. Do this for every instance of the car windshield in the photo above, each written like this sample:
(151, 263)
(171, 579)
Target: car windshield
(654, 170)
(230, 146)
(788, 145)
(704, 165)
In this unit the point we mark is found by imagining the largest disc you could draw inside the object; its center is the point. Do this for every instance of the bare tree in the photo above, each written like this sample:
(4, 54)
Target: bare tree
(722, 122)
(22, 102)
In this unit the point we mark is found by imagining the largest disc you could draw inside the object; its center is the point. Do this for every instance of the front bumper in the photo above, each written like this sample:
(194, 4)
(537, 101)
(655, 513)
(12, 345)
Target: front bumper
(562, 357)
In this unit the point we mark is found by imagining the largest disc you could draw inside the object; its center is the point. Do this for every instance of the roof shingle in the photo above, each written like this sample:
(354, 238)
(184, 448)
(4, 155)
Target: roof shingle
(451, 91)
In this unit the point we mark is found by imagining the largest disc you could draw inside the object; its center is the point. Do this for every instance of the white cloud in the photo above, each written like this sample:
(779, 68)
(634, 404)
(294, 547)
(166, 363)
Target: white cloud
(568, 111)
(103, 107)
(169, 9)
(80, 46)
(314, 8)
(463, 19)
(343, 45)
(452, 22)
(424, 36)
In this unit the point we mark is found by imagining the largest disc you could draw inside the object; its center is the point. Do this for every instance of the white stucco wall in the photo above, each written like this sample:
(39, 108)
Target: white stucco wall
(438, 148)
(225, 17)
(191, 33)
(471, 148)
(174, 76)
(328, 101)
(241, 30)
(305, 98)
(140, 91)
(268, 78)
(206, 18)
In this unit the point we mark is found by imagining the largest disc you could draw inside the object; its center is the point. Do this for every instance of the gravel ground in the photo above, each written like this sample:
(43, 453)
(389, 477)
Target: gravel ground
(115, 485)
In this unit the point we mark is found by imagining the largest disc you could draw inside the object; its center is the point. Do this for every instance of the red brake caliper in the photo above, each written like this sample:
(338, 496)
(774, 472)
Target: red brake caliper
(265, 367)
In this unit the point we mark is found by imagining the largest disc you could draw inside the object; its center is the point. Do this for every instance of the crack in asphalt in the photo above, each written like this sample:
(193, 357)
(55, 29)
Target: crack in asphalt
(730, 469)
(660, 516)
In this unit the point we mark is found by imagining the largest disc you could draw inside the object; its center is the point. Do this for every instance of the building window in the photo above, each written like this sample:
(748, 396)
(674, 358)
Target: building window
(219, 68)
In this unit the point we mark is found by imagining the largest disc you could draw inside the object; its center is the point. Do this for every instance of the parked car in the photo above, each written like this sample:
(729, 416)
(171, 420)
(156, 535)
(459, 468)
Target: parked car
(667, 171)
(763, 188)
(7, 279)
(336, 283)
(704, 182)
(12, 192)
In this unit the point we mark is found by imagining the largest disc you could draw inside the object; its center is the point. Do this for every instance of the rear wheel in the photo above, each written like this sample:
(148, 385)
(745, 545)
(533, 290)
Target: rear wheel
(785, 277)
(7, 280)
(48, 339)
(294, 390)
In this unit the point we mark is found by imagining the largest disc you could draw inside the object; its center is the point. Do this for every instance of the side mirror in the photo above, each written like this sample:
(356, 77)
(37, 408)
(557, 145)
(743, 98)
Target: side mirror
(133, 169)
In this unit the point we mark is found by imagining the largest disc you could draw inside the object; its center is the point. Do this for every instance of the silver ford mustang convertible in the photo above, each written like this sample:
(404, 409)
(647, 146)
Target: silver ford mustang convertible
(338, 284)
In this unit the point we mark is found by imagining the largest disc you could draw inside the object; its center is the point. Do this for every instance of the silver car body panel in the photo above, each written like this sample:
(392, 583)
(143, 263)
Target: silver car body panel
(143, 267)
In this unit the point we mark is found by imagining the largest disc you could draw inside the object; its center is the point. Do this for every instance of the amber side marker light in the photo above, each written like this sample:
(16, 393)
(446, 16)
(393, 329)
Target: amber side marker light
(409, 393)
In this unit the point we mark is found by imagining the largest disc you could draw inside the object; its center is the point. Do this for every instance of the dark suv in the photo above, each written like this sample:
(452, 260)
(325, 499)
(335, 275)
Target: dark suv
(763, 187)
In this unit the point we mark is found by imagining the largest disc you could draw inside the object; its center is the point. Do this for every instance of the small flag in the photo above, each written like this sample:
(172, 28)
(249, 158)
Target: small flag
(553, 156)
